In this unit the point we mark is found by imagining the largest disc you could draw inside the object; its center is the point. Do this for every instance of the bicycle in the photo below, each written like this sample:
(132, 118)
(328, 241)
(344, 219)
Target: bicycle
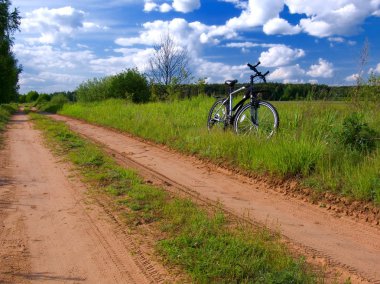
(258, 116)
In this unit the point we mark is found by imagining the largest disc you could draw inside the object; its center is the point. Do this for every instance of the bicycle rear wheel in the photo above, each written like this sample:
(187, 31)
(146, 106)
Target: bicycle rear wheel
(217, 117)
(262, 120)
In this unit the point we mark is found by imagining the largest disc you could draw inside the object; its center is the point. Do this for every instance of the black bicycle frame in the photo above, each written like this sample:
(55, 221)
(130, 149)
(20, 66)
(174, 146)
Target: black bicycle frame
(231, 111)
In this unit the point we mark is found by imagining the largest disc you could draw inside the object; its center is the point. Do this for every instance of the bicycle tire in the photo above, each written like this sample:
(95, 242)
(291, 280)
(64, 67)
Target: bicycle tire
(261, 120)
(217, 116)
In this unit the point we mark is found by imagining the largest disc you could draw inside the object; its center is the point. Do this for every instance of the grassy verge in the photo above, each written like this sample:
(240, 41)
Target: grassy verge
(207, 245)
(6, 111)
(308, 146)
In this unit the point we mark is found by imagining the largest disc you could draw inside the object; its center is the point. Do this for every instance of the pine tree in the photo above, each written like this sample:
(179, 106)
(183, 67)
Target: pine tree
(9, 70)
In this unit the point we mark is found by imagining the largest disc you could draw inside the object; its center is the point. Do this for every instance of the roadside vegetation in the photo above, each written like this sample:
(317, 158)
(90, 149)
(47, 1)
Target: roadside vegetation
(330, 146)
(209, 246)
(6, 110)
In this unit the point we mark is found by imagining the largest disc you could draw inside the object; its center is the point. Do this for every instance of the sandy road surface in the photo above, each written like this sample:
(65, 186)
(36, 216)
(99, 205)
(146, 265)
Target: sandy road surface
(48, 230)
(342, 242)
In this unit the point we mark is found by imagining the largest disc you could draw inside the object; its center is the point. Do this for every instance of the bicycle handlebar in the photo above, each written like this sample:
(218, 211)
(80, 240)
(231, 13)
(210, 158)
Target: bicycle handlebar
(258, 73)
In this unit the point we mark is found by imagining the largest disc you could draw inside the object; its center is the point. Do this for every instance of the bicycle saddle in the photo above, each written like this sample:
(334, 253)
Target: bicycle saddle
(231, 83)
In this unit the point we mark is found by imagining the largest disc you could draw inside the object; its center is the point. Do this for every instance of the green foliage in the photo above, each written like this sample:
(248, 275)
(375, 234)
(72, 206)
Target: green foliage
(357, 135)
(42, 99)
(305, 146)
(55, 104)
(9, 70)
(31, 96)
(129, 84)
(207, 246)
(5, 112)
(22, 99)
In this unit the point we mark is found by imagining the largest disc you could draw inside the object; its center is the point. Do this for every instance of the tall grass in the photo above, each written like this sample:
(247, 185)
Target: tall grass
(5, 112)
(307, 146)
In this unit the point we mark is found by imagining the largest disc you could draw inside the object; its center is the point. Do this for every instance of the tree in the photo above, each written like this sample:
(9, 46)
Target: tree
(169, 66)
(31, 96)
(9, 70)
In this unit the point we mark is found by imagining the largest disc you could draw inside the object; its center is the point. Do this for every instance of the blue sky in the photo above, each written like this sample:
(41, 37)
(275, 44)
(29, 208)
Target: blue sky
(64, 43)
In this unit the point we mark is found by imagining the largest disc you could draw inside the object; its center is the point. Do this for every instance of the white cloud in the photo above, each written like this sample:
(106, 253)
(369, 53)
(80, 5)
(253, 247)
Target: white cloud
(186, 6)
(129, 58)
(257, 13)
(48, 26)
(336, 39)
(164, 8)
(218, 71)
(323, 69)
(45, 57)
(352, 78)
(331, 17)
(183, 6)
(150, 6)
(375, 70)
(280, 55)
(280, 26)
(287, 74)
(241, 4)
(248, 44)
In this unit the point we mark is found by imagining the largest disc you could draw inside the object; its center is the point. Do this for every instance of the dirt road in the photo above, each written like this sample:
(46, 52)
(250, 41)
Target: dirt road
(50, 230)
(340, 241)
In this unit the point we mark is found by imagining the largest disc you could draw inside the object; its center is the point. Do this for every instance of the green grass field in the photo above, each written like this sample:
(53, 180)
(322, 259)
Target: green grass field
(208, 246)
(309, 145)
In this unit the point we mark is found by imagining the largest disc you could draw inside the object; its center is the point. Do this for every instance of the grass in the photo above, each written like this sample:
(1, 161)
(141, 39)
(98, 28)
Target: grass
(308, 145)
(207, 245)
(6, 111)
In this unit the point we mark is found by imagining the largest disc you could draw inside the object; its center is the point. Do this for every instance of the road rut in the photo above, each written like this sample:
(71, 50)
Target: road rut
(50, 230)
(342, 241)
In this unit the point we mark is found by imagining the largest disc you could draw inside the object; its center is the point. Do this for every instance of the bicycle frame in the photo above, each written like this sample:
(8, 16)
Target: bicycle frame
(248, 95)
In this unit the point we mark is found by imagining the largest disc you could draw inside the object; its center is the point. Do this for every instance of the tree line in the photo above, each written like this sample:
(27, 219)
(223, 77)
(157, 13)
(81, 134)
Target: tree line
(9, 68)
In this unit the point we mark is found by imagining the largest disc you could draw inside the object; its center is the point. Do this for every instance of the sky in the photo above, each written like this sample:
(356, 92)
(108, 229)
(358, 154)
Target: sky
(65, 43)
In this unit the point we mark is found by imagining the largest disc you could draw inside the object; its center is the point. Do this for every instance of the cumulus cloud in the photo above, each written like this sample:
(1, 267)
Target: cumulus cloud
(150, 6)
(257, 13)
(323, 18)
(331, 17)
(183, 6)
(287, 74)
(280, 56)
(352, 78)
(323, 69)
(280, 26)
(55, 25)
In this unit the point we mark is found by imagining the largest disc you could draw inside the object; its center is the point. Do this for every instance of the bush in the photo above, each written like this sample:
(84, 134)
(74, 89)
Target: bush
(357, 135)
(31, 96)
(56, 103)
(22, 99)
(130, 84)
(42, 99)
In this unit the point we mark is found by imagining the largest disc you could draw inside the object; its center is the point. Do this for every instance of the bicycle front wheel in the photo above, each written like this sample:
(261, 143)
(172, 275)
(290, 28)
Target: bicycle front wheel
(262, 120)
(217, 117)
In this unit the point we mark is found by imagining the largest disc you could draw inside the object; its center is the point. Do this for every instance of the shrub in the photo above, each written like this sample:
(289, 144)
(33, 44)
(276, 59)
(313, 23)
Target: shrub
(357, 135)
(31, 96)
(22, 99)
(43, 98)
(56, 103)
(130, 84)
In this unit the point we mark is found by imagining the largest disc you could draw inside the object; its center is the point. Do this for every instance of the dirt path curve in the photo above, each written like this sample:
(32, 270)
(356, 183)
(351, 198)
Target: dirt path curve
(341, 241)
(49, 232)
